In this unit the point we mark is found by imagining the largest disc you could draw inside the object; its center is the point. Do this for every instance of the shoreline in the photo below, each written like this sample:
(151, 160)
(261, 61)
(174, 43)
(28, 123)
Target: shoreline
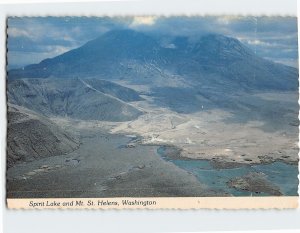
(222, 162)
(239, 176)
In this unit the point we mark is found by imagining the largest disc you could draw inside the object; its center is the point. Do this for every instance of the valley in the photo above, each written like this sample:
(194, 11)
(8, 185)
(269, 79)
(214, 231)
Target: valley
(125, 158)
(101, 167)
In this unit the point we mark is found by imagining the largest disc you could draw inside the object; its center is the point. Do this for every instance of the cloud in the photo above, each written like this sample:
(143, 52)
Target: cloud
(143, 20)
(285, 61)
(17, 32)
(228, 19)
(257, 42)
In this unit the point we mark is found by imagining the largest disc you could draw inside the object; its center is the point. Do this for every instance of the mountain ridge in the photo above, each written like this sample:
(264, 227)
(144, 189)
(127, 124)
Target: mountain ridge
(75, 99)
(119, 54)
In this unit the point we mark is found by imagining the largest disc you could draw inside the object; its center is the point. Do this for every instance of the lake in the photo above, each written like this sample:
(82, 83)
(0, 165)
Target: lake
(283, 175)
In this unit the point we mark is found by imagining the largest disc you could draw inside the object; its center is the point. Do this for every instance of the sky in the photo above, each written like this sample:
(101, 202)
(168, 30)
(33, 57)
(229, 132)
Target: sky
(32, 39)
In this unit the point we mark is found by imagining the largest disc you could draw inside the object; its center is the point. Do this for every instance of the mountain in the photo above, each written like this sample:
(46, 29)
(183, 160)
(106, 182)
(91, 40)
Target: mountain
(233, 61)
(213, 60)
(87, 100)
(95, 57)
(32, 136)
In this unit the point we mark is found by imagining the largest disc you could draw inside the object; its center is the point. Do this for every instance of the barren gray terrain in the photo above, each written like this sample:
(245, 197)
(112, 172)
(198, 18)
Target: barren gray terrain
(103, 167)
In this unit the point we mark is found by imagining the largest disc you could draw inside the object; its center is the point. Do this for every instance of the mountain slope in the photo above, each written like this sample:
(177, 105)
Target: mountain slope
(113, 89)
(74, 98)
(31, 136)
(125, 54)
(95, 57)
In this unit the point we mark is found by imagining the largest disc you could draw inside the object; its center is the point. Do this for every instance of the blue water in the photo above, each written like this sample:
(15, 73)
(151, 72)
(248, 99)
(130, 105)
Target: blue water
(285, 176)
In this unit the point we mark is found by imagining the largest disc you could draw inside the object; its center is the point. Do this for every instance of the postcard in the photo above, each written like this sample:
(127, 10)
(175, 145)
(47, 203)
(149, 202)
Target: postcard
(152, 112)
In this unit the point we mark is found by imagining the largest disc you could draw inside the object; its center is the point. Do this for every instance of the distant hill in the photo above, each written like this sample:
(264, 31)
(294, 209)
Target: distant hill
(87, 100)
(213, 60)
(31, 136)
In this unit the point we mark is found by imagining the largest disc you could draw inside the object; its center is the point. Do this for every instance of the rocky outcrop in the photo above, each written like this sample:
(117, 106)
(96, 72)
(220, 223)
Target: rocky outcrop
(255, 182)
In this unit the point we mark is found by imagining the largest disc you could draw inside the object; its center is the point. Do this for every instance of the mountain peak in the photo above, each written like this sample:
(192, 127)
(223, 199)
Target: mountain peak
(124, 36)
(123, 33)
(121, 43)
(219, 47)
(221, 40)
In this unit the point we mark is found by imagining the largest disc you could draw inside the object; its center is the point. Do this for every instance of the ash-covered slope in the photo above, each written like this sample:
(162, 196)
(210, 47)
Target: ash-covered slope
(214, 60)
(113, 89)
(32, 136)
(74, 98)
(232, 61)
